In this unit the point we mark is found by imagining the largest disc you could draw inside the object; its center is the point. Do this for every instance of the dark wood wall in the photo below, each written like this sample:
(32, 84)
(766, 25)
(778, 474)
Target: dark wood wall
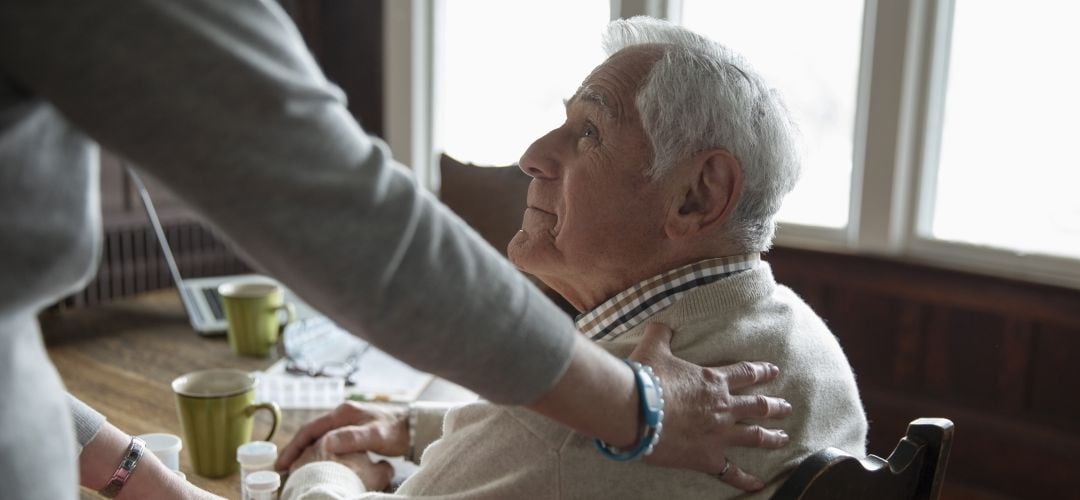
(998, 357)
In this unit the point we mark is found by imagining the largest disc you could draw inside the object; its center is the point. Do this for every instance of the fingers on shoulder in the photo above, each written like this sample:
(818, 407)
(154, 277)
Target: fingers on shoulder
(740, 479)
(747, 373)
(756, 436)
(760, 406)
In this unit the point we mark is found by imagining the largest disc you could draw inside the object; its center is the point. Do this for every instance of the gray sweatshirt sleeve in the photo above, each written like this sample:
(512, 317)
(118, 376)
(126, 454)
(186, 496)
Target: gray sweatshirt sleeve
(87, 421)
(221, 102)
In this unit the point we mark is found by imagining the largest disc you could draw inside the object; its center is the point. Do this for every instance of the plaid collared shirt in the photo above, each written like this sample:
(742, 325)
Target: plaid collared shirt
(630, 307)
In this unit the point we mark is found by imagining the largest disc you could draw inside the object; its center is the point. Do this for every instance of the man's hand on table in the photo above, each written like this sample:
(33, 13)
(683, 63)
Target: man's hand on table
(375, 476)
(351, 428)
(702, 413)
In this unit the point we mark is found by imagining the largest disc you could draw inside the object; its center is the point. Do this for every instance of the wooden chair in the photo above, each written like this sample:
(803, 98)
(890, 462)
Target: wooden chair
(914, 470)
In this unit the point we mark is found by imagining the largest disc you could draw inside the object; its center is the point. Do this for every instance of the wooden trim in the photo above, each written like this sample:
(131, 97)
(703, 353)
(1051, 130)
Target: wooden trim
(930, 284)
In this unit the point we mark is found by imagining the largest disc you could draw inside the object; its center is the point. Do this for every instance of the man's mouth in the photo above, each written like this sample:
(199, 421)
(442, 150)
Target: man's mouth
(552, 230)
(538, 209)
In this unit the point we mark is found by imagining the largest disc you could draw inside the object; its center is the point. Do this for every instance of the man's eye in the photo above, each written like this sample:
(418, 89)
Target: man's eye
(590, 132)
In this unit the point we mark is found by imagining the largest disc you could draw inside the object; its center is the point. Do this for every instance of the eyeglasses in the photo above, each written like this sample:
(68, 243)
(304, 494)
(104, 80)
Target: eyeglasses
(345, 370)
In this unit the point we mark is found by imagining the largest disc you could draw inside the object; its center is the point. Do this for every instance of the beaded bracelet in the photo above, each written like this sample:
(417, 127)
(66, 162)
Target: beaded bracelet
(651, 398)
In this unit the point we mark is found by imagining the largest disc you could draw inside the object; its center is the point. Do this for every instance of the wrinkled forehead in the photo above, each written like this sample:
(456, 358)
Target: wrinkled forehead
(595, 97)
(614, 84)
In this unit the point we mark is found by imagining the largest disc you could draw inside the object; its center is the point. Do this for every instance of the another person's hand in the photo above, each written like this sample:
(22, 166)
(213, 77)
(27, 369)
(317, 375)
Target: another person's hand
(349, 428)
(702, 411)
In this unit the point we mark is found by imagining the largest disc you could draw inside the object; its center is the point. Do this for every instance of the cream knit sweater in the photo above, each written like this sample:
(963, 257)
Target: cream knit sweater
(490, 451)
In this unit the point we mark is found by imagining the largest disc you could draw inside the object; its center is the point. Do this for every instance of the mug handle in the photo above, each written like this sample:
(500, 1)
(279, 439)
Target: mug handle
(290, 313)
(274, 410)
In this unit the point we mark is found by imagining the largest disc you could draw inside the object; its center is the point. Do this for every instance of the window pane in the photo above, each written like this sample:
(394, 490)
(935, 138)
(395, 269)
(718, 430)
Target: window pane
(810, 52)
(506, 68)
(1008, 170)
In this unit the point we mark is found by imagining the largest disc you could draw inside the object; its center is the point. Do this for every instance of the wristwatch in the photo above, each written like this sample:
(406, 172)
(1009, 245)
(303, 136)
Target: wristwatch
(125, 469)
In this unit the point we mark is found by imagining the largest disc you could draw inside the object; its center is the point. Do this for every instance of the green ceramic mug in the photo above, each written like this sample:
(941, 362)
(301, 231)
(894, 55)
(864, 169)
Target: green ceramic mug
(217, 408)
(253, 311)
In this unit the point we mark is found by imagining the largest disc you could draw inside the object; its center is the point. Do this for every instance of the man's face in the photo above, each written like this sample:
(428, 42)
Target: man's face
(593, 214)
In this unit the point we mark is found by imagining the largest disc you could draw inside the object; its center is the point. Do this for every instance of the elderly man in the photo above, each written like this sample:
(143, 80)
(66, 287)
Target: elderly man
(650, 204)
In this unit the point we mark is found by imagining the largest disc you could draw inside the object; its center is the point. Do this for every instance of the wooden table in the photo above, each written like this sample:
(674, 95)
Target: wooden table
(120, 359)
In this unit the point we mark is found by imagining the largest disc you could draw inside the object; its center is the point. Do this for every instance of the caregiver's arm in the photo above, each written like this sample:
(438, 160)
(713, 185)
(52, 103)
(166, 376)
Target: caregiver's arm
(222, 103)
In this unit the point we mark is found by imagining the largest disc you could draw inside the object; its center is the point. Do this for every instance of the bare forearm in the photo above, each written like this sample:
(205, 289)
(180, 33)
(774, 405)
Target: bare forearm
(151, 478)
(595, 396)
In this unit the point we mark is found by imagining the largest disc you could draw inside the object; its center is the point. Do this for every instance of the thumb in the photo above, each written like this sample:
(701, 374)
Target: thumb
(377, 476)
(656, 342)
(386, 470)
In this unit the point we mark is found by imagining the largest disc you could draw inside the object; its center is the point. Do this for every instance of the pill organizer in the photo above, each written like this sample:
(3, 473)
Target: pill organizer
(290, 392)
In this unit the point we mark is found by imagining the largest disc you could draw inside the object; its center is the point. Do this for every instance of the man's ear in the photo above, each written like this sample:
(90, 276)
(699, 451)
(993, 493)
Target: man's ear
(709, 192)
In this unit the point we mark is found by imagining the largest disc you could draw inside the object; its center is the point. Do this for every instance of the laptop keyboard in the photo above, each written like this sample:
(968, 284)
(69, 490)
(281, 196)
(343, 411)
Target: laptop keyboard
(213, 299)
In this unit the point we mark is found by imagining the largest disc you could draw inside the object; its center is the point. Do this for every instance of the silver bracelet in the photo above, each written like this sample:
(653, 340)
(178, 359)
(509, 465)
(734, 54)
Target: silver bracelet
(125, 469)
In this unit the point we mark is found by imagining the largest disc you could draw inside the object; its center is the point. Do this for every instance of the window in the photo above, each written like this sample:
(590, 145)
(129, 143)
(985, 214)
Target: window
(506, 71)
(816, 70)
(930, 132)
(1007, 171)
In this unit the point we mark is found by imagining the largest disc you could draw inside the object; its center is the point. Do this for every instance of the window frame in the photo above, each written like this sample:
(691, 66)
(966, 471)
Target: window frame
(937, 23)
(899, 109)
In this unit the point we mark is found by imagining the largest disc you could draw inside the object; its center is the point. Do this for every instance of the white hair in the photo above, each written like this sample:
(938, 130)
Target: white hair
(701, 95)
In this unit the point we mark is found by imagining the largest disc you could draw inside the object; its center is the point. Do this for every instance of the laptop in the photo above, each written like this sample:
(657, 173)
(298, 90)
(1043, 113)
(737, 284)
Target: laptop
(200, 296)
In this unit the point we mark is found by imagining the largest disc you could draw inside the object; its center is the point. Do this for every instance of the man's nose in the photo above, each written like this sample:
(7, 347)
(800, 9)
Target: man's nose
(540, 160)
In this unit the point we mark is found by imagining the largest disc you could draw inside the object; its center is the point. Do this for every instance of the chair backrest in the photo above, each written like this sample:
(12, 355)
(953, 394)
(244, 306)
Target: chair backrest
(914, 470)
(491, 200)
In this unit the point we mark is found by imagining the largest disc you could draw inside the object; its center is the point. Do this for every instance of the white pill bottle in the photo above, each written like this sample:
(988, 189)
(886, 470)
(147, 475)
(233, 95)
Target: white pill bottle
(256, 456)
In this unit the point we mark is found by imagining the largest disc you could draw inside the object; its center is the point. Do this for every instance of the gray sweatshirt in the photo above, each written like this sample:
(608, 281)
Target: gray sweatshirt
(221, 102)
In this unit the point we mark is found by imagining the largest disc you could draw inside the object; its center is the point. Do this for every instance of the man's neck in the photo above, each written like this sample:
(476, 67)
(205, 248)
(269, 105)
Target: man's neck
(586, 293)
(635, 304)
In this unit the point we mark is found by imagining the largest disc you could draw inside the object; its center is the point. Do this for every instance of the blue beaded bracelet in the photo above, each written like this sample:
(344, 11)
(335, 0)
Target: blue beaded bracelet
(651, 398)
